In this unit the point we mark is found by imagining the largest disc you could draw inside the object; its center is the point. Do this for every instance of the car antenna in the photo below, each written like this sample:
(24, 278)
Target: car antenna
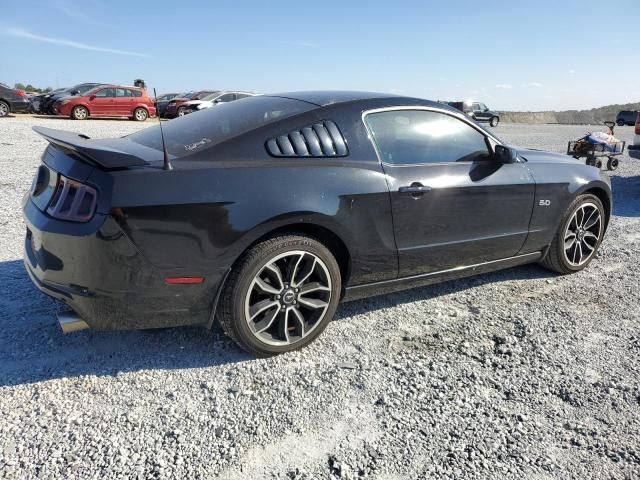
(166, 165)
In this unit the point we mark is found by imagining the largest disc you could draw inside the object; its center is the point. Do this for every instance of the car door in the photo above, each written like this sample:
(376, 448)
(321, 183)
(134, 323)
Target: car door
(102, 102)
(480, 112)
(453, 205)
(123, 102)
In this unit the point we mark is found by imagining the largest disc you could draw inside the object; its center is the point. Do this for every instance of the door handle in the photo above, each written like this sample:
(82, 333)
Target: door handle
(416, 189)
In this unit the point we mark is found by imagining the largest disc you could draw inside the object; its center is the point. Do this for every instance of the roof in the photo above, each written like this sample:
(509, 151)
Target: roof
(323, 98)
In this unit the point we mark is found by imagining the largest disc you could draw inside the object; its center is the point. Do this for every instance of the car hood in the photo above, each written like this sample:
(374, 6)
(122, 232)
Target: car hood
(179, 99)
(541, 156)
(194, 102)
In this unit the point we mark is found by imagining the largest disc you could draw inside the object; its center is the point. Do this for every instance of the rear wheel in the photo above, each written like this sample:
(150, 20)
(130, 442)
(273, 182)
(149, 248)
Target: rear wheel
(79, 113)
(620, 123)
(578, 238)
(140, 114)
(281, 295)
(182, 111)
(4, 108)
(494, 121)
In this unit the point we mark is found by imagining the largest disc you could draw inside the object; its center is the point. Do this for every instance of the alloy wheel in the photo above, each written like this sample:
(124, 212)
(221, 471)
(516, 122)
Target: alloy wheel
(141, 114)
(582, 234)
(288, 298)
(80, 113)
(4, 109)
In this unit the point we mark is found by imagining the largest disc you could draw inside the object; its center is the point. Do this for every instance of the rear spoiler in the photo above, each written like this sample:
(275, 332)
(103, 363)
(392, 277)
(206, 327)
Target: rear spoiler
(104, 153)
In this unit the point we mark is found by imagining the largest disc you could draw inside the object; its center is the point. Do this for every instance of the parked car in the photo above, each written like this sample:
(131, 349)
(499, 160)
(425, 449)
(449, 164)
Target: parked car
(37, 101)
(634, 150)
(214, 99)
(626, 117)
(277, 207)
(478, 111)
(108, 101)
(12, 100)
(47, 102)
(163, 100)
(176, 107)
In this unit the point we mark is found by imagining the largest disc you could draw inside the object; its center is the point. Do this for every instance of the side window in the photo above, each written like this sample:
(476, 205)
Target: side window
(406, 137)
(476, 107)
(122, 92)
(241, 95)
(106, 92)
(483, 107)
(135, 93)
(227, 97)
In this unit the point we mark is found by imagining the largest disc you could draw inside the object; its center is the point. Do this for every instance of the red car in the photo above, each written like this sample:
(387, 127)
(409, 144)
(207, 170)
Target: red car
(108, 101)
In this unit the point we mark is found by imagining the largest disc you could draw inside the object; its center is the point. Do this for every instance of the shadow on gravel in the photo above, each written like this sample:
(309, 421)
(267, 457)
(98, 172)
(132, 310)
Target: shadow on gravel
(526, 272)
(626, 196)
(33, 348)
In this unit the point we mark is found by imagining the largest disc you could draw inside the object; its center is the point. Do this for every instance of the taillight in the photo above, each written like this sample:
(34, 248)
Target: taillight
(21, 93)
(638, 124)
(72, 201)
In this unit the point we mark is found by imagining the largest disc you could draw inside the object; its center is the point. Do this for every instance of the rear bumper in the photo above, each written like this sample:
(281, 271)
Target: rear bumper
(97, 271)
(634, 151)
(20, 106)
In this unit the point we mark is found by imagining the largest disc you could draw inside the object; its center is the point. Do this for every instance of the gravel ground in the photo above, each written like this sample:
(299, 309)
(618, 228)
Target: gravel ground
(518, 374)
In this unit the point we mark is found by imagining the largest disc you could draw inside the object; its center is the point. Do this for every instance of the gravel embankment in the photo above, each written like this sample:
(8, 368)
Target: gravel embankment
(519, 374)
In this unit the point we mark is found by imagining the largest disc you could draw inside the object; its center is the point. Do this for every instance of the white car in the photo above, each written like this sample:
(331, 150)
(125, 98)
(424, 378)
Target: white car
(214, 99)
(634, 150)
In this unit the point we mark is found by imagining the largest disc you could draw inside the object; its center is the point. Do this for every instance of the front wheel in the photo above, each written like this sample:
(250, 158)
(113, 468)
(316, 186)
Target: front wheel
(620, 123)
(79, 113)
(578, 238)
(281, 295)
(182, 111)
(494, 121)
(140, 114)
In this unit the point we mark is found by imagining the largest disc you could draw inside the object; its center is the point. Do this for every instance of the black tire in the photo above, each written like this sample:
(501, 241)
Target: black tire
(79, 113)
(612, 163)
(620, 123)
(234, 301)
(494, 121)
(556, 257)
(5, 109)
(140, 114)
(181, 112)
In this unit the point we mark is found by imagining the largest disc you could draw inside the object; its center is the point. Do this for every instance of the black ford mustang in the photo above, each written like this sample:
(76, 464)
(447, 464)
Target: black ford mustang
(276, 207)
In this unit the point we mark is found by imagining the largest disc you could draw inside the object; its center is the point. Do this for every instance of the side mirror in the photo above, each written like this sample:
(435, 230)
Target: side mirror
(74, 92)
(504, 154)
(218, 100)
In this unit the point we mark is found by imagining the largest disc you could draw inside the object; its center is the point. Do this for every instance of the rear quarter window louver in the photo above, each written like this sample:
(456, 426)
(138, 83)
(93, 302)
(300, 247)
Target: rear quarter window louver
(322, 139)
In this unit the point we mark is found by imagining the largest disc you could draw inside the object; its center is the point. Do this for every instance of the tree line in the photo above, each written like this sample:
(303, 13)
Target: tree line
(31, 88)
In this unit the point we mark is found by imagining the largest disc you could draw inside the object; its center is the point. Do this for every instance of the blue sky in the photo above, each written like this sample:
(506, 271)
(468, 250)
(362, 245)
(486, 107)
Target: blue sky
(513, 55)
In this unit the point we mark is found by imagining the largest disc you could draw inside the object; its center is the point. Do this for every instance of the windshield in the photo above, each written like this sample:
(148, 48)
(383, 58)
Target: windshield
(204, 129)
(85, 88)
(201, 95)
(211, 96)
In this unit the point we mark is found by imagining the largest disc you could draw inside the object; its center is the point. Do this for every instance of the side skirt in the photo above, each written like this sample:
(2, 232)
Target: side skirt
(380, 288)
